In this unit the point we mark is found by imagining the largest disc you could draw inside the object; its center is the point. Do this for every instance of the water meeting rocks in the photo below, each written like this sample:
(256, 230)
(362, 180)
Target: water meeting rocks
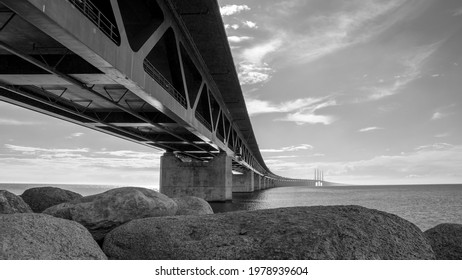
(191, 205)
(102, 212)
(42, 198)
(446, 241)
(11, 203)
(33, 236)
(321, 232)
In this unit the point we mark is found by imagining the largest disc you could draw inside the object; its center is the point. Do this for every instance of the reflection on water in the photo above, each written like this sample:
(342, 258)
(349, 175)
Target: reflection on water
(424, 205)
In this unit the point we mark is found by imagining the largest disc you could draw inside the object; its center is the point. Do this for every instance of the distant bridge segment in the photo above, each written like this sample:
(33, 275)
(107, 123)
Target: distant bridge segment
(158, 73)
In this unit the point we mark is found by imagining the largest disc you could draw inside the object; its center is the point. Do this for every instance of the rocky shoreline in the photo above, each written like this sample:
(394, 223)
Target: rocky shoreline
(137, 223)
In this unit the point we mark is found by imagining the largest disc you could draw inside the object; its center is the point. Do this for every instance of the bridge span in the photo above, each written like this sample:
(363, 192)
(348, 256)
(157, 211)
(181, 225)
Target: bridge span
(159, 73)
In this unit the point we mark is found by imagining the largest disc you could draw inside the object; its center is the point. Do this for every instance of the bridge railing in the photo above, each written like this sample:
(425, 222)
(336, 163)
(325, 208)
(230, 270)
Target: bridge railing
(98, 18)
(158, 77)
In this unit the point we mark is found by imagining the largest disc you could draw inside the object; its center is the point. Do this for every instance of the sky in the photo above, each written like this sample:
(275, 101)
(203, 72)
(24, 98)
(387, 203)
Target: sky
(367, 91)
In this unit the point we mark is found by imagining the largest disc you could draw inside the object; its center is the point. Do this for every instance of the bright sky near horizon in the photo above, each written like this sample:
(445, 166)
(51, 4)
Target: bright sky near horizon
(368, 91)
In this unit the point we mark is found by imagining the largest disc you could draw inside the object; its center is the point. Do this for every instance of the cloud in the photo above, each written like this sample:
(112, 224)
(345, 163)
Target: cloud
(75, 135)
(412, 69)
(307, 114)
(442, 113)
(257, 53)
(457, 12)
(301, 118)
(301, 111)
(301, 147)
(237, 39)
(331, 32)
(17, 122)
(34, 150)
(250, 74)
(80, 158)
(366, 129)
(256, 106)
(250, 24)
(233, 26)
(229, 10)
(436, 146)
(442, 135)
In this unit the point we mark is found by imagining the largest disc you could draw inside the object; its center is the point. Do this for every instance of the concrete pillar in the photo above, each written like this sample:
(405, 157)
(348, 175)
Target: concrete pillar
(257, 182)
(244, 182)
(211, 180)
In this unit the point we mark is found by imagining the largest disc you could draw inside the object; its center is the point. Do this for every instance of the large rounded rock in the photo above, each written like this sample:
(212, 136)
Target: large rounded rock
(330, 232)
(42, 237)
(446, 241)
(103, 212)
(11, 203)
(42, 198)
(191, 205)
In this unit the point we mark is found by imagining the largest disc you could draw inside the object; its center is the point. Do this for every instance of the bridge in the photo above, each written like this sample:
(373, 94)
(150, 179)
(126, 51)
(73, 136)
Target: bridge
(158, 73)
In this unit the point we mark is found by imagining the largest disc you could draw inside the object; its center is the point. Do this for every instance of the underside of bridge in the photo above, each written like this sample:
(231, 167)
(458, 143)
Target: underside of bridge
(158, 73)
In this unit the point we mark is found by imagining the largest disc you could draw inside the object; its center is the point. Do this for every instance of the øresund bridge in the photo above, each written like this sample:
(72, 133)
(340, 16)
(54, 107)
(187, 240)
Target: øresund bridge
(156, 72)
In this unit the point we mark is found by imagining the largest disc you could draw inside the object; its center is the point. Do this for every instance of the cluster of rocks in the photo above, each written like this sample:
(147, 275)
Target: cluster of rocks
(138, 223)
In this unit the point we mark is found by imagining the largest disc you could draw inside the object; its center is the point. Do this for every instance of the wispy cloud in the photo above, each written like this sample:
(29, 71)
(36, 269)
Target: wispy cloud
(229, 10)
(301, 111)
(34, 150)
(256, 106)
(237, 39)
(372, 128)
(301, 147)
(313, 36)
(304, 117)
(79, 157)
(329, 33)
(12, 122)
(75, 135)
(307, 114)
(457, 12)
(442, 112)
(412, 69)
(442, 135)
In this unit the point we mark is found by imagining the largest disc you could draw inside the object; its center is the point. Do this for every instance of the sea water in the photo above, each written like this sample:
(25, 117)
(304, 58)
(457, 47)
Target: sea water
(424, 205)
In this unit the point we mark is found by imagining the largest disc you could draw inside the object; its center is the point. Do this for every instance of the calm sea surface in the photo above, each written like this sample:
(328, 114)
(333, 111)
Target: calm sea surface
(424, 205)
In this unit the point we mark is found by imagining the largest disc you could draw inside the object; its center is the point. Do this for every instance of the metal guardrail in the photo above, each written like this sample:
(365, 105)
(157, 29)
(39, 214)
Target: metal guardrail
(98, 18)
(158, 77)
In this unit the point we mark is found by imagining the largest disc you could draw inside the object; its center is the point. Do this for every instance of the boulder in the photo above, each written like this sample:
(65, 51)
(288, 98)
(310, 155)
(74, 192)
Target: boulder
(33, 236)
(305, 233)
(11, 203)
(446, 241)
(191, 205)
(42, 198)
(103, 212)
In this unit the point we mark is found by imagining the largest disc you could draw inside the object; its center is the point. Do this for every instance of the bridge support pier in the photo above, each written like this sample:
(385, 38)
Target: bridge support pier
(211, 180)
(244, 182)
(257, 182)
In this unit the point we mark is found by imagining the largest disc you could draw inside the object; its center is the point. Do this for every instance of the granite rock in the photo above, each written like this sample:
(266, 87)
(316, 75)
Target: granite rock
(191, 205)
(11, 203)
(103, 212)
(33, 236)
(446, 241)
(321, 232)
(42, 198)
